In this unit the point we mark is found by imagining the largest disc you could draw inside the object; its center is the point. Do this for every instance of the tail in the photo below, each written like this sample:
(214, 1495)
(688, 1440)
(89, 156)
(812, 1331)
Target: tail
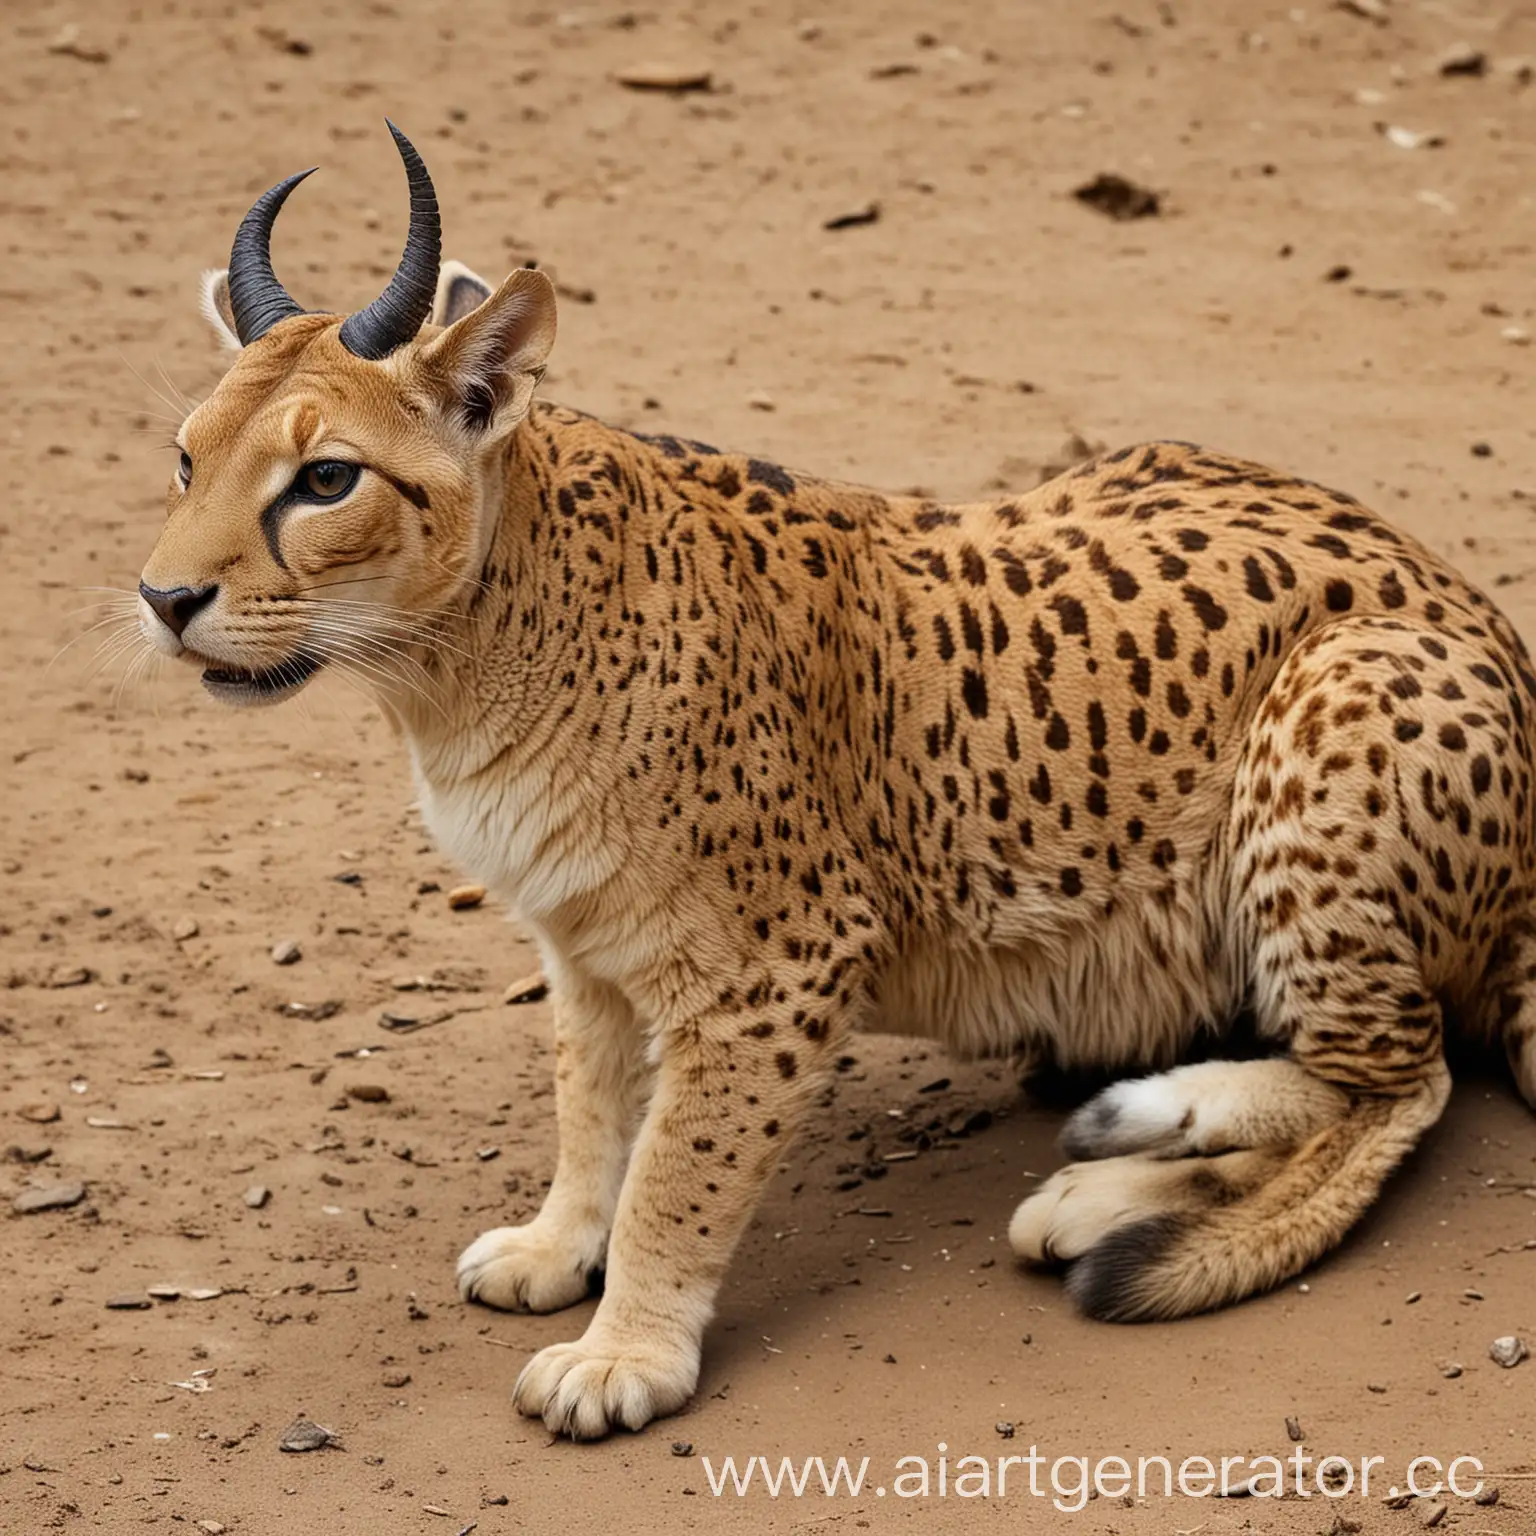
(1222, 1228)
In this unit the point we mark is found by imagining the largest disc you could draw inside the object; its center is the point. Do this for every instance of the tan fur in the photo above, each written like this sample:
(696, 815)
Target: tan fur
(761, 759)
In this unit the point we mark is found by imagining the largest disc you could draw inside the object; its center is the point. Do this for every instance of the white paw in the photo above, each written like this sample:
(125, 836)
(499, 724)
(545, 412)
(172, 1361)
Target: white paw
(1084, 1202)
(601, 1383)
(1203, 1109)
(1156, 1115)
(537, 1268)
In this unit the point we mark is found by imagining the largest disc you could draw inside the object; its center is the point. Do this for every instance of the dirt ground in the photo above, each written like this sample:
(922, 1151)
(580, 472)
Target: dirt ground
(1317, 291)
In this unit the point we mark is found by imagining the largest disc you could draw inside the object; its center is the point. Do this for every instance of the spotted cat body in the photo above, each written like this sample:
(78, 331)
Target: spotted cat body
(762, 759)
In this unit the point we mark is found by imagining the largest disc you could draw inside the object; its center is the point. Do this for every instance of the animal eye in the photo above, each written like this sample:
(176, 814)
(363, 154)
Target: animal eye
(184, 470)
(327, 479)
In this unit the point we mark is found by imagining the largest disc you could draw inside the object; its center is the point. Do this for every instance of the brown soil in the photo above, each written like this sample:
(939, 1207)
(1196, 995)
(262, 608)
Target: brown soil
(1310, 293)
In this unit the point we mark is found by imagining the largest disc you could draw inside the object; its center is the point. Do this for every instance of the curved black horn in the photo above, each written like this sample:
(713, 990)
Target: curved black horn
(256, 298)
(396, 315)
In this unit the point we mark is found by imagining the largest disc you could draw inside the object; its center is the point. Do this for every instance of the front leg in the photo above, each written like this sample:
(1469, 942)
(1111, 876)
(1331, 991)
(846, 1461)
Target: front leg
(730, 1090)
(599, 1084)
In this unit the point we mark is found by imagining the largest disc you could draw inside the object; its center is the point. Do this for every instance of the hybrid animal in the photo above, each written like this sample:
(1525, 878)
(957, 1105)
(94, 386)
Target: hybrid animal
(762, 758)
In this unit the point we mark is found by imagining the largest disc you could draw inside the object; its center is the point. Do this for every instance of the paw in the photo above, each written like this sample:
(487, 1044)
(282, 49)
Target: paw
(1084, 1202)
(600, 1383)
(1204, 1109)
(537, 1268)
(1153, 1115)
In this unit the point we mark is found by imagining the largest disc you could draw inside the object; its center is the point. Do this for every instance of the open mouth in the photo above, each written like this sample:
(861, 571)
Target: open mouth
(241, 685)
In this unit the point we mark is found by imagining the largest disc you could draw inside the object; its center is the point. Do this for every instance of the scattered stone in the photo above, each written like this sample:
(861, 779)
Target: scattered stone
(462, 897)
(70, 976)
(67, 41)
(1004, 1429)
(1414, 1297)
(1462, 59)
(665, 75)
(285, 42)
(286, 952)
(315, 1012)
(1367, 10)
(1482, 450)
(185, 928)
(868, 214)
(396, 1379)
(1450, 1371)
(131, 1302)
(1508, 1351)
(1486, 1497)
(204, 1293)
(531, 989)
(50, 1197)
(257, 1196)
(682, 1447)
(1409, 138)
(1293, 1429)
(164, 1293)
(213, 1527)
(1117, 197)
(760, 400)
(409, 1023)
(306, 1435)
(40, 1114)
(1434, 1515)
(368, 1093)
(487, 1154)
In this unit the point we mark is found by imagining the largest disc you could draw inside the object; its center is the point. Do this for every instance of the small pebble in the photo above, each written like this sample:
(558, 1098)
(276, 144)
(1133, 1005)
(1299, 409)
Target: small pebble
(1462, 59)
(462, 897)
(213, 1527)
(164, 1293)
(1293, 1429)
(1451, 1371)
(682, 1448)
(662, 75)
(257, 1196)
(305, 1435)
(52, 1197)
(185, 928)
(368, 1093)
(397, 1378)
(1004, 1429)
(1508, 1351)
(1434, 1515)
(530, 989)
(204, 1293)
(760, 400)
(40, 1114)
(133, 1302)
(1486, 1497)
(286, 952)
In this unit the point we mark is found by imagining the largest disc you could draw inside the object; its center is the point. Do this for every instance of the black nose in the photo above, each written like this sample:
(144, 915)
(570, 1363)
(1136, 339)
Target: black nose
(177, 607)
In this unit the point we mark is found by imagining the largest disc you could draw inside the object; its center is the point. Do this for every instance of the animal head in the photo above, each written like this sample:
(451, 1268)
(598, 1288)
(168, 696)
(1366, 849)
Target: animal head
(342, 482)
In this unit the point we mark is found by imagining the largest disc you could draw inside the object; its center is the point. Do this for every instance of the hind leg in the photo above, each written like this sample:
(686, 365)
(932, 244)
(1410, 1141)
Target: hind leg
(1375, 852)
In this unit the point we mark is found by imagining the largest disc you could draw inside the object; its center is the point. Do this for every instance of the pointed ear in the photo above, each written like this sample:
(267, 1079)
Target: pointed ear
(484, 368)
(214, 302)
(458, 292)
